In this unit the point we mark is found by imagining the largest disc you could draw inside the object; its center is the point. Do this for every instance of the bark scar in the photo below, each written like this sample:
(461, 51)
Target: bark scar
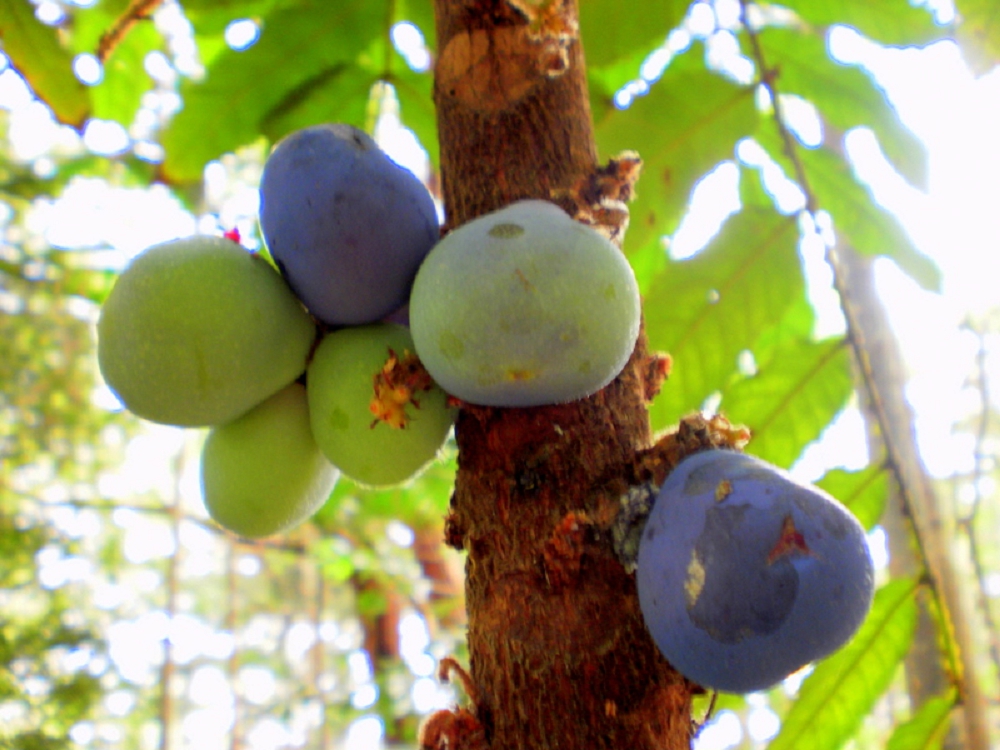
(563, 551)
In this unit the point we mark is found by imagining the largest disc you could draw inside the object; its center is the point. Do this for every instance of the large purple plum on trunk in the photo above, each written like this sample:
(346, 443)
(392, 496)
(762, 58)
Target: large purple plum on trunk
(746, 575)
(347, 225)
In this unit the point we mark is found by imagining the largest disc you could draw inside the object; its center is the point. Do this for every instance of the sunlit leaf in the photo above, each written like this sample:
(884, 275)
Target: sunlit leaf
(928, 727)
(845, 96)
(36, 52)
(887, 21)
(125, 81)
(611, 34)
(706, 310)
(690, 120)
(267, 89)
(843, 689)
(213, 16)
(978, 32)
(416, 108)
(868, 227)
(864, 492)
(421, 14)
(792, 398)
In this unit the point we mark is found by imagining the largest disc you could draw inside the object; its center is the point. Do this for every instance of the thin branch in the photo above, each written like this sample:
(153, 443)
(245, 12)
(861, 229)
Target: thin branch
(233, 663)
(318, 606)
(138, 10)
(968, 522)
(278, 543)
(172, 585)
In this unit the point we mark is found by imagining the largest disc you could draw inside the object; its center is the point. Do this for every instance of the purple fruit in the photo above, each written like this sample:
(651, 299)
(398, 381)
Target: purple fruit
(347, 225)
(745, 575)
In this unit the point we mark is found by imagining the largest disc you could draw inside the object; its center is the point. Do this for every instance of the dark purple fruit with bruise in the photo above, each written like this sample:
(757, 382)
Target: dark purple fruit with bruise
(746, 575)
(347, 225)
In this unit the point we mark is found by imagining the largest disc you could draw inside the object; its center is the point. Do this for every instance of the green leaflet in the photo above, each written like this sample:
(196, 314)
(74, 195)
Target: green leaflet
(845, 96)
(211, 17)
(690, 120)
(886, 21)
(706, 310)
(340, 50)
(611, 32)
(979, 32)
(864, 492)
(927, 728)
(867, 226)
(794, 396)
(35, 51)
(843, 688)
(119, 94)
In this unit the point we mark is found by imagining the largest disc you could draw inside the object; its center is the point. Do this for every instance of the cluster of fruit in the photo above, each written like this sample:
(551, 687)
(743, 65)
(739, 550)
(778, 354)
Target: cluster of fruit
(745, 575)
(522, 307)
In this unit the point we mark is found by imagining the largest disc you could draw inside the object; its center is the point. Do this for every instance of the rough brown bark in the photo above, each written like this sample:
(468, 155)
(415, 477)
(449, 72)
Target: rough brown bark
(559, 655)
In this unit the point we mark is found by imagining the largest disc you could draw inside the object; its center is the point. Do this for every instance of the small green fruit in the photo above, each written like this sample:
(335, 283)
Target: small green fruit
(263, 473)
(341, 386)
(198, 331)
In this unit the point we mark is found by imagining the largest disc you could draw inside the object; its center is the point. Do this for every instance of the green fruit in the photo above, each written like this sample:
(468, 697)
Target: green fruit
(197, 331)
(341, 384)
(263, 473)
(524, 307)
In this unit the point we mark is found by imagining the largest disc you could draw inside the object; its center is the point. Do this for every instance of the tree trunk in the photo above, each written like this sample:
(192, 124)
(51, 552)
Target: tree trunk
(925, 673)
(559, 654)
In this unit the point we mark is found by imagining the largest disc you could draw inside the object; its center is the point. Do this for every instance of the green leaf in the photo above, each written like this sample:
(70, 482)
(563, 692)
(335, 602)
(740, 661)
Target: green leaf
(268, 88)
(605, 80)
(421, 14)
(886, 21)
(690, 120)
(46, 65)
(793, 397)
(845, 95)
(978, 33)
(706, 310)
(928, 727)
(869, 228)
(211, 17)
(611, 32)
(119, 94)
(844, 688)
(864, 492)
(416, 108)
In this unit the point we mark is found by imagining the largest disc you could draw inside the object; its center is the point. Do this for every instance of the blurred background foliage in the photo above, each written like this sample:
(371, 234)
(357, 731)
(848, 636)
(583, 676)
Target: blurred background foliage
(127, 620)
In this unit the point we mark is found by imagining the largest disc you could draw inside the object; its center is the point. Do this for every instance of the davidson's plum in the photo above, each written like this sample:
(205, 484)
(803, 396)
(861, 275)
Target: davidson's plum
(263, 473)
(524, 307)
(745, 575)
(346, 224)
(349, 368)
(198, 331)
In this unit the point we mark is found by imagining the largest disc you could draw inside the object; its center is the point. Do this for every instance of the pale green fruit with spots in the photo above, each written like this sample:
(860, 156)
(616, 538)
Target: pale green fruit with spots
(524, 307)
(197, 331)
(341, 385)
(263, 473)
